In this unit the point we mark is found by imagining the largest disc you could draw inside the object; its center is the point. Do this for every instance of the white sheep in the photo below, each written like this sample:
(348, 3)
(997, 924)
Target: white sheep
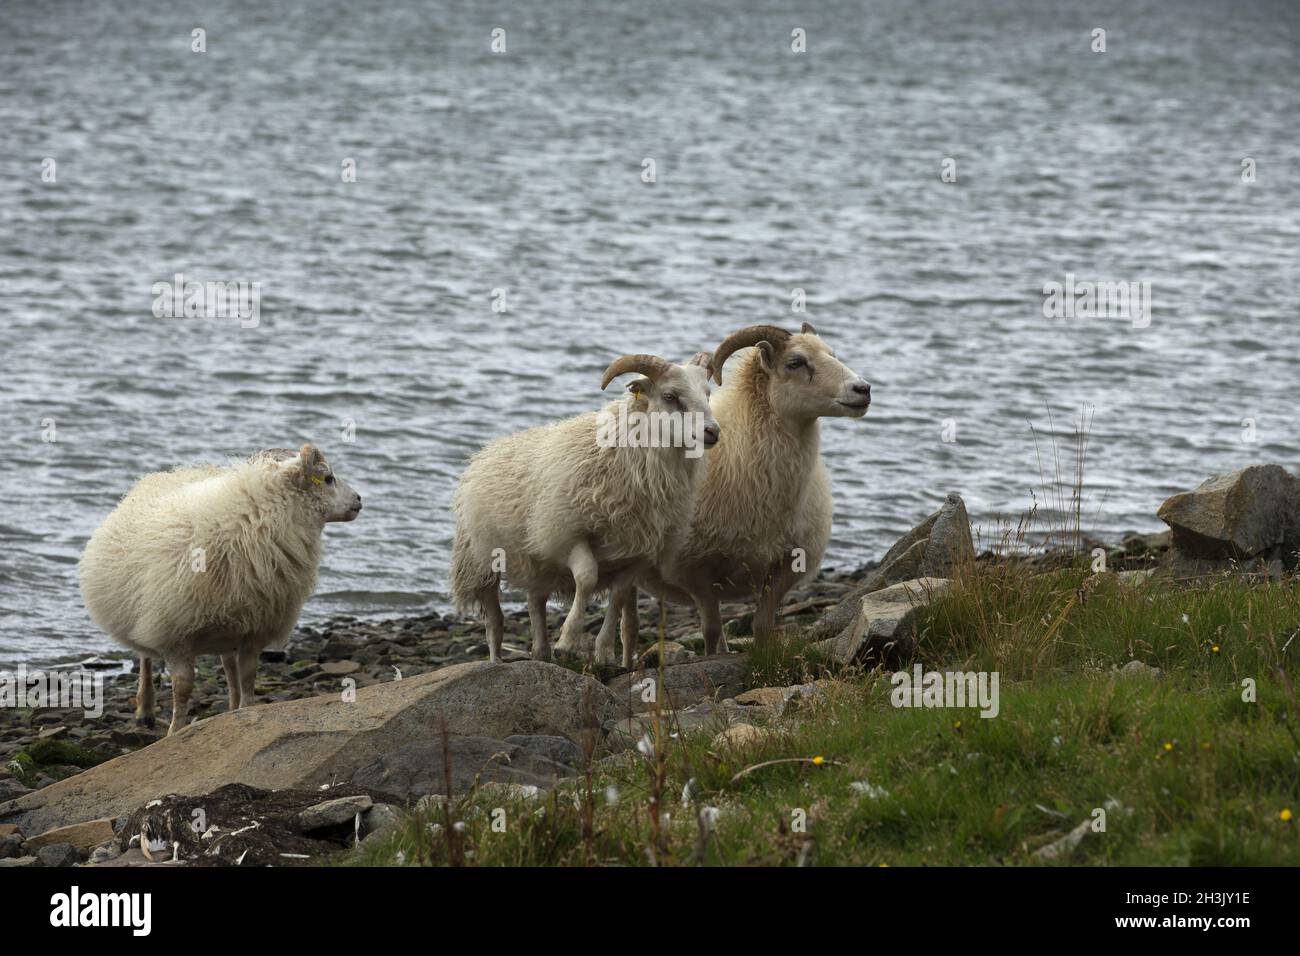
(578, 507)
(212, 560)
(763, 516)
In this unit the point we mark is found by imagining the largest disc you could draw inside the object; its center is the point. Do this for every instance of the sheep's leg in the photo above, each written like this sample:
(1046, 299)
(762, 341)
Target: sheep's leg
(144, 700)
(631, 627)
(537, 619)
(618, 592)
(604, 652)
(230, 664)
(247, 663)
(779, 580)
(585, 575)
(765, 613)
(711, 624)
(493, 620)
(182, 686)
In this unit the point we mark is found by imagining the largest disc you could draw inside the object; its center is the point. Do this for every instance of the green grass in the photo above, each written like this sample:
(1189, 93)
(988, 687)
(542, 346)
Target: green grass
(786, 660)
(1188, 772)
(997, 616)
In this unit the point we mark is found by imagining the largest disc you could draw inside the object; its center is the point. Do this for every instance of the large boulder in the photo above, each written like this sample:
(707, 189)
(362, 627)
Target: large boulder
(1249, 517)
(423, 768)
(885, 626)
(308, 743)
(715, 677)
(935, 548)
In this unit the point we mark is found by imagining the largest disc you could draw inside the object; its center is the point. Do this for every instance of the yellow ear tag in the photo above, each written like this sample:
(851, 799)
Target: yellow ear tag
(316, 480)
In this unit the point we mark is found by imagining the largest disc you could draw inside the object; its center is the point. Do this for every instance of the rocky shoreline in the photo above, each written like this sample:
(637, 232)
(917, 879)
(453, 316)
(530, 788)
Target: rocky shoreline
(39, 748)
(425, 716)
(317, 661)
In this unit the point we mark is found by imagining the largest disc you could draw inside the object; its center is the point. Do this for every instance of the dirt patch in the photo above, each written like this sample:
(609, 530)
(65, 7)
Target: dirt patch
(238, 825)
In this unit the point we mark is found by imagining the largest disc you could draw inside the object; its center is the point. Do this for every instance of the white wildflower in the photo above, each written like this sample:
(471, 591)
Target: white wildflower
(868, 790)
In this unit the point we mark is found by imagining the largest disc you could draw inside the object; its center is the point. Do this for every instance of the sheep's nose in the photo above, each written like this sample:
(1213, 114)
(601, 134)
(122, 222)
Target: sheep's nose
(863, 389)
(711, 433)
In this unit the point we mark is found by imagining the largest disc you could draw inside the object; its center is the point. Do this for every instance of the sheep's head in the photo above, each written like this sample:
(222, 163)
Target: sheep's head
(804, 379)
(673, 391)
(309, 472)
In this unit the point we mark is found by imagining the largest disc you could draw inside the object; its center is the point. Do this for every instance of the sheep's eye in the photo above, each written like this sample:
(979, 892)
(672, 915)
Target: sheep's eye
(670, 398)
(795, 363)
(329, 480)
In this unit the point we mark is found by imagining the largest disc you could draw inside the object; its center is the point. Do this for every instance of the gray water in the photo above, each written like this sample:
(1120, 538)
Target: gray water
(522, 171)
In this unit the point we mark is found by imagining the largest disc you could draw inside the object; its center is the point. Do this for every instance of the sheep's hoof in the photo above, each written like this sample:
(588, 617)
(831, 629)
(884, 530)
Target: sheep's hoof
(145, 721)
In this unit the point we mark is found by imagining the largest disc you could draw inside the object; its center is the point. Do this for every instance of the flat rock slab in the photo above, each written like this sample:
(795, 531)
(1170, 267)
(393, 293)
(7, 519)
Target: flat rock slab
(715, 677)
(86, 835)
(315, 741)
(331, 813)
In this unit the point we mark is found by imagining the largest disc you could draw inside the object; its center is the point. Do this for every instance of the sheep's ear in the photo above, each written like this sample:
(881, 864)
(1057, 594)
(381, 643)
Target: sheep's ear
(704, 360)
(639, 387)
(767, 354)
(808, 329)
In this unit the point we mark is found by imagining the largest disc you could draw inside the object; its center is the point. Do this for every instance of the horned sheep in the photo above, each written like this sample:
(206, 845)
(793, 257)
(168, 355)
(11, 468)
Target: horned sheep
(559, 508)
(212, 560)
(763, 517)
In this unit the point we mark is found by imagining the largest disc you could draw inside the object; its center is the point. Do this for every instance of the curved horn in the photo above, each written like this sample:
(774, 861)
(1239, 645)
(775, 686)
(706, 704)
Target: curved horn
(651, 366)
(743, 339)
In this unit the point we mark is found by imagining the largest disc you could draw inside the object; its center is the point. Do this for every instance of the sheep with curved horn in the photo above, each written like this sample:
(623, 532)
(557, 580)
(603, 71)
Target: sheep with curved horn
(763, 516)
(583, 505)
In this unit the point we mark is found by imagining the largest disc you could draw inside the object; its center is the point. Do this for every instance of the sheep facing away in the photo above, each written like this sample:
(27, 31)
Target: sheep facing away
(562, 508)
(763, 517)
(212, 560)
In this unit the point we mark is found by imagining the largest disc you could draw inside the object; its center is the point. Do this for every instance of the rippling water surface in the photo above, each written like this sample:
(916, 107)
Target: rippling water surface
(522, 172)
